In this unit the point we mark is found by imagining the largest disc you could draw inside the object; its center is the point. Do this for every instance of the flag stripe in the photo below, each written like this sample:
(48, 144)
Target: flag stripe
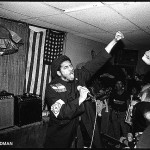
(48, 75)
(42, 79)
(31, 62)
(26, 64)
(34, 63)
(29, 58)
(37, 62)
(46, 80)
(41, 63)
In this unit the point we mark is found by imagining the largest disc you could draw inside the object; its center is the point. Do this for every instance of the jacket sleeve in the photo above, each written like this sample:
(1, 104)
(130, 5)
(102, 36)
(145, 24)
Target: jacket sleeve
(67, 110)
(91, 67)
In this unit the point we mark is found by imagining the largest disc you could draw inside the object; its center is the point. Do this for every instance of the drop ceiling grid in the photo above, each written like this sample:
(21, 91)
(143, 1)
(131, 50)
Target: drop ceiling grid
(138, 13)
(71, 5)
(11, 15)
(31, 9)
(70, 23)
(104, 18)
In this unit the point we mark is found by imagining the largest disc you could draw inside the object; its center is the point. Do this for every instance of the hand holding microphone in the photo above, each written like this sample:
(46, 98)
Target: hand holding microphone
(84, 92)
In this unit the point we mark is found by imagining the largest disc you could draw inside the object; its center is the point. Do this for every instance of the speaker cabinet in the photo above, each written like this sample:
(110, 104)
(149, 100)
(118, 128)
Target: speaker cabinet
(6, 112)
(27, 110)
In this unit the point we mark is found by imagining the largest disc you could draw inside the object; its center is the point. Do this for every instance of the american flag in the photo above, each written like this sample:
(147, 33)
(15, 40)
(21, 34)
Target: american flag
(53, 46)
(44, 45)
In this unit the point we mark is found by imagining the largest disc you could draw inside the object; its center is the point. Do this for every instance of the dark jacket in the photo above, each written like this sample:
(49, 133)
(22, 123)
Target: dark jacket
(140, 121)
(62, 129)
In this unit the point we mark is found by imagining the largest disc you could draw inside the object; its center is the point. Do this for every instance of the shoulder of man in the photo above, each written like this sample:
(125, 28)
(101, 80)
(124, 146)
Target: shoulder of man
(58, 87)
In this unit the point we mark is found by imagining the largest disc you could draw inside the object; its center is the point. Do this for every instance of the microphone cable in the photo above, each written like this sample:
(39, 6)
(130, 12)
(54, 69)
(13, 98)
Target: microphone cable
(94, 126)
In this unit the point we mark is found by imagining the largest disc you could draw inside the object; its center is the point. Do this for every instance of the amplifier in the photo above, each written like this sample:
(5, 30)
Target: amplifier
(6, 112)
(27, 109)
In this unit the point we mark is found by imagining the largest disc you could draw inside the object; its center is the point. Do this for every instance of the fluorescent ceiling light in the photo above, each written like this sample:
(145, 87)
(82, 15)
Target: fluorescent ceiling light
(83, 7)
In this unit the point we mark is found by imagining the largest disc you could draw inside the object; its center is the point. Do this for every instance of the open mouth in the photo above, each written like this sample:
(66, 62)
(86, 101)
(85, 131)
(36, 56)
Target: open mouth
(147, 56)
(72, 73)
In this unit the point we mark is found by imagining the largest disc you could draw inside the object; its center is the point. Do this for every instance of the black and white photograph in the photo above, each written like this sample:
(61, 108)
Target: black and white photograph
(75, 74)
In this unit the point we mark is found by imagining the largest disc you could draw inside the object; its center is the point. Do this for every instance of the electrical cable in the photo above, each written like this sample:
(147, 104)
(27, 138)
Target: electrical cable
(94, 125)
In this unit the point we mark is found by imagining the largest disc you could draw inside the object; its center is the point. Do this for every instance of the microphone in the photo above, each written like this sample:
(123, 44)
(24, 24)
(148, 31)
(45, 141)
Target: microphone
(89, 94)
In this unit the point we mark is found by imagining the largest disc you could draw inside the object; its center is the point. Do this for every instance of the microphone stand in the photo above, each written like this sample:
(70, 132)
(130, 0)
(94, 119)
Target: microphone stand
(94, 100)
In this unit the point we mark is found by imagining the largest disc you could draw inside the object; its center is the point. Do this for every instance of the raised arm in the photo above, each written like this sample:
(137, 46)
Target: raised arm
(118, 37)
(101, 58)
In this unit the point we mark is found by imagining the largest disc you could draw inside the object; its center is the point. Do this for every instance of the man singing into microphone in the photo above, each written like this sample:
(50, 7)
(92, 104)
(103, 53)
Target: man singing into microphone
(65, 97)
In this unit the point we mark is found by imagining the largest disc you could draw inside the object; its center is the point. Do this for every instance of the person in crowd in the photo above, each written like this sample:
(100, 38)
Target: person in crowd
(146, 57)
(135, 90)
(119, 102)
(144, 139)
(141, 113)
(66, 98)
(134, 98)
(146, 78)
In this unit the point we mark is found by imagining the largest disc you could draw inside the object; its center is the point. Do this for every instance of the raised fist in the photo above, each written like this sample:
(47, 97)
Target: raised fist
(119, 36)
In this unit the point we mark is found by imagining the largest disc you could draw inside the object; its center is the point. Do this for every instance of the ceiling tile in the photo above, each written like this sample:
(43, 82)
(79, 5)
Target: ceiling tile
(70, 23)
(104, 36)
(30, 9)
(11, 15)
(72, 5)
(136, 12)
(104, 18)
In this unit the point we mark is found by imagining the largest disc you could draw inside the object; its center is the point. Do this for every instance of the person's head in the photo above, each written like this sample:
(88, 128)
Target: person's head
(63, 68)
(134, 91)
(146, 57)
(119, 85)
(145, 93)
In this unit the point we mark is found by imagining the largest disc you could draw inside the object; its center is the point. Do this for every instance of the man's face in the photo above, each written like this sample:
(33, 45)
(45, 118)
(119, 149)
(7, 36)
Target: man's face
(119, 85)
(146, 57)
(134, 90)
(142, 94)
(66, 71)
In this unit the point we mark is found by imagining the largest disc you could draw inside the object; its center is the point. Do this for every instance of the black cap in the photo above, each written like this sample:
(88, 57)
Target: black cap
(56, 64)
